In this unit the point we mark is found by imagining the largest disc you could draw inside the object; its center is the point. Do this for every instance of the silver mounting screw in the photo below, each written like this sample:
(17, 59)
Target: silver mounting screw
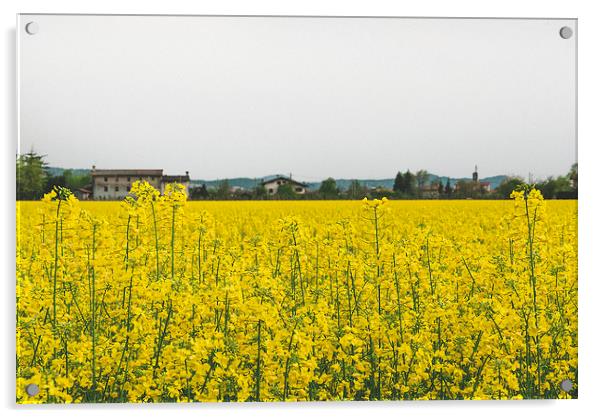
(32, 28)
(32, 389)
(566, 385)
(566, 32)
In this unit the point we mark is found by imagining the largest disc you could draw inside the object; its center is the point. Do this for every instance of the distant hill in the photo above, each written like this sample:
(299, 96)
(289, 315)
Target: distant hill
(242, 182)
(343, 184)
(57, 171)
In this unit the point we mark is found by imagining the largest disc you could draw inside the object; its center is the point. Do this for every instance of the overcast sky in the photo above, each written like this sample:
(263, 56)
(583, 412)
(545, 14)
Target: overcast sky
(315, 97)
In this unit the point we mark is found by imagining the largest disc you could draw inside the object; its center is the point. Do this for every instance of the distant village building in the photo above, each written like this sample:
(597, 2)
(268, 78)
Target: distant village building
(272, 185)
(482, 186)
(237, 189)
(430, 191)
(474, 187)
(83, 193)
(116, 184)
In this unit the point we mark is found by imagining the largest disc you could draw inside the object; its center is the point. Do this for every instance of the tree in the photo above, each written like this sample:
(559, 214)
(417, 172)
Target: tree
(508, 185)
(356, 190)
(553, 188)
(286, 192)
(448, 188)
(56, 181)
(547, 188)
(422, 177)
(399, 184)
(74, 181)
(67, 179)
(199, 192)
(203, 191)
(328, 188)
(440, 188)
(573, 177)
(31, 176)
(260, 192)
(409, 181)
(223, 189)
(464, 188)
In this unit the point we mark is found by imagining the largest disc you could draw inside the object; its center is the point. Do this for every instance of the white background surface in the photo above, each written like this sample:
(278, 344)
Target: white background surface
(590, 289)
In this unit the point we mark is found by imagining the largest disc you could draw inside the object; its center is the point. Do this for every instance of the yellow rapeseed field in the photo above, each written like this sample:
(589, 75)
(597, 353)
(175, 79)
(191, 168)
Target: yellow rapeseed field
(156, 299)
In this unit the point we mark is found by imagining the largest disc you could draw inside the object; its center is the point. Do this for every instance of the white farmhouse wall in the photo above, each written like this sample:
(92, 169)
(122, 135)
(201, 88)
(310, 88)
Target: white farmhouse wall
(272, 186)
(112, 187)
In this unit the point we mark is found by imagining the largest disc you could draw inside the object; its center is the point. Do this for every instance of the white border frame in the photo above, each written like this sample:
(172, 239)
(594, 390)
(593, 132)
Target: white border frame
(590, 95)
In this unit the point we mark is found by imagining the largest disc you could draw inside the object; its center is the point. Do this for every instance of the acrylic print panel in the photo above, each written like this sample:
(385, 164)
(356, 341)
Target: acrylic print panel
(217, 208)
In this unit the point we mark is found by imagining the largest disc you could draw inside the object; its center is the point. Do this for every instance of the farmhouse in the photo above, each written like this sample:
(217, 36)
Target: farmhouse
(272, 185)
(116, 184)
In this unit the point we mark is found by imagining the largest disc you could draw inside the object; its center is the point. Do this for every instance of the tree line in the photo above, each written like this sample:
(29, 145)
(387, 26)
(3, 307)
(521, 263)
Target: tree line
(406, 185)
(34, 179)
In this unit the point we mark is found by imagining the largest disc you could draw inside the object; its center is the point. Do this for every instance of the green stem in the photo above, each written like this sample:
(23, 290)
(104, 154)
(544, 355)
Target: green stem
(156, 238)
(258, 366)
(173, 237)
(93, 312)
(56, 263)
